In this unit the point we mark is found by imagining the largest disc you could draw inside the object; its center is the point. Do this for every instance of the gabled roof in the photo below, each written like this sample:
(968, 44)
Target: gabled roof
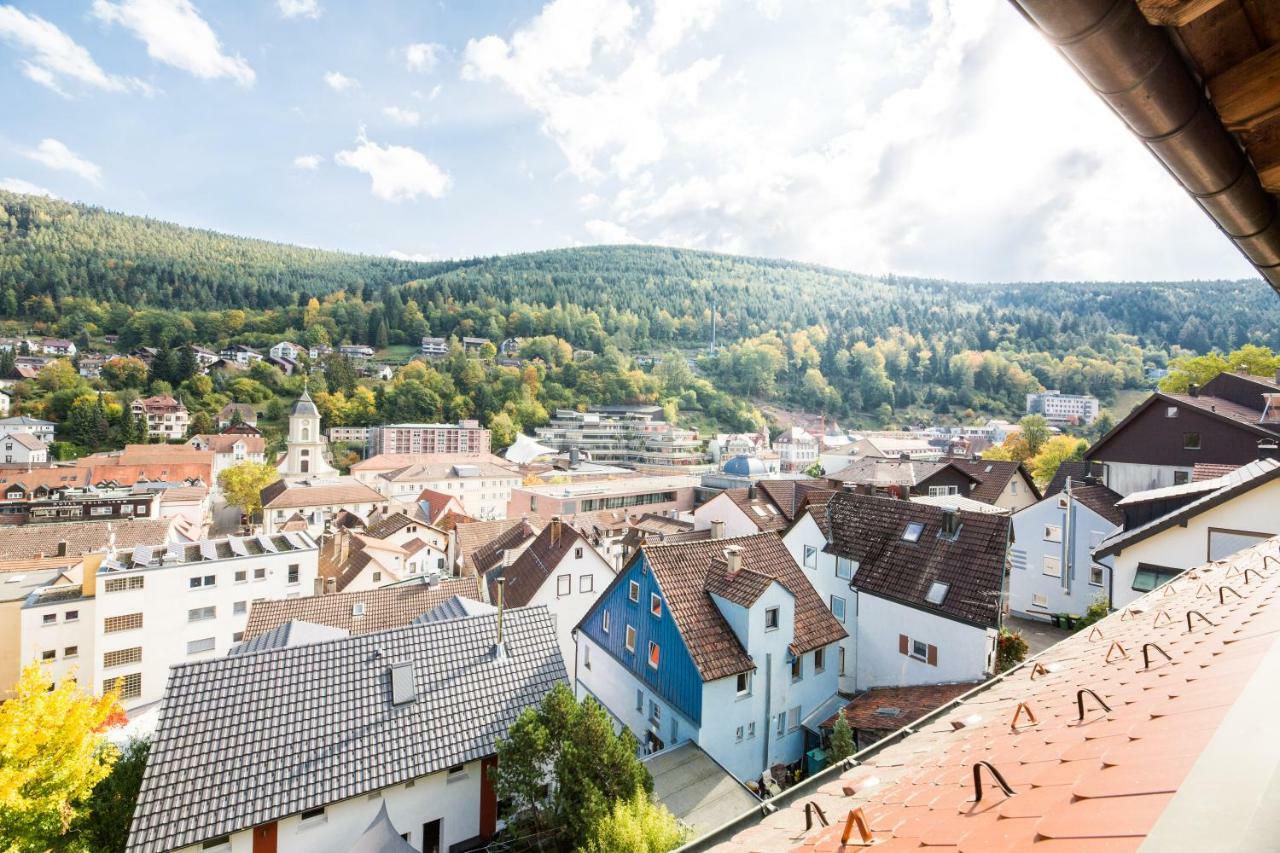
(882, 472)
(993, 476)
(524, 577)
(758, 508)
(74, 538)
(1219, 408)
(253, 738)
(870, 530)
(1164, 753)
(382, 608)
(1100, 499)
(792, 496)
(389, 526)
(225, 442)
(681, 571)
(26, 439)
(1238, 482)
(291, 633)
(288, 494)
(1076, 471)
(434, 504)
(456, 607)
(480, 543)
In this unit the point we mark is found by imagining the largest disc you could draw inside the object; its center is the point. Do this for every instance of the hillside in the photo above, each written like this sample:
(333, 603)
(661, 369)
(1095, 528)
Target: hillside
(825, 340)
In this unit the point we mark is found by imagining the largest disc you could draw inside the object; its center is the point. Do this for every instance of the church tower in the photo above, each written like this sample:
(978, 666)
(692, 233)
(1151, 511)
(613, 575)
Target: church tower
(308, 451)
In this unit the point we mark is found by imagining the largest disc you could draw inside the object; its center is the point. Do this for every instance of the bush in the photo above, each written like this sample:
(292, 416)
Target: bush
(635, 825)
(1011, 650)
(1097, 610)
(842, 745)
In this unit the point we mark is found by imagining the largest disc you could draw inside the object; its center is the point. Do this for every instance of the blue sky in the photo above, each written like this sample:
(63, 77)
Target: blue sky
(926, 138)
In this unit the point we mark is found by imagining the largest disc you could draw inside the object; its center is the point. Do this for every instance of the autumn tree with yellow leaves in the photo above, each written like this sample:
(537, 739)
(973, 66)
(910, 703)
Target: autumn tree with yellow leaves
(53, 752)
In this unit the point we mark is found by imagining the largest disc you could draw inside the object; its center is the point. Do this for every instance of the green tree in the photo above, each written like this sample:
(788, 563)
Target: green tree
(1055, 451)
(243, 483)
(104, 828)
(1035, 432)
(635, 825)
(124, 372)
(201, 424)
(842, 745)
(502, 430)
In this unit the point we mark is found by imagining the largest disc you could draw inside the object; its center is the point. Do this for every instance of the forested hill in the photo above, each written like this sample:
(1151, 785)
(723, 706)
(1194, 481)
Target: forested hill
(823, 339)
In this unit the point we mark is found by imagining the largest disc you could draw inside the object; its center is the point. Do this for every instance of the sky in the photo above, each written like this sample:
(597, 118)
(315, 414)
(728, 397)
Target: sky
(917, 137)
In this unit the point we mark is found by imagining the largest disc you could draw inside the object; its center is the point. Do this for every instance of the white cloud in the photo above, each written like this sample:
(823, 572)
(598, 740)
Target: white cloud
(176, 35)
(54, 155)
(413, 256)
(17, 185)
(409, 118)
(309, 162)
(399, 173)
(299, 8)
(914, 136)
(54, 58)
(422, 56)
(339, 82)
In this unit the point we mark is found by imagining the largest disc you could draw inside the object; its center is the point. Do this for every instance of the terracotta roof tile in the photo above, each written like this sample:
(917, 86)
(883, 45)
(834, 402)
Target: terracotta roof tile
(911, 703)
(384, 608)
(480, 541)
(284, 494)
(525, 576)
(760, 509)
(993, 476)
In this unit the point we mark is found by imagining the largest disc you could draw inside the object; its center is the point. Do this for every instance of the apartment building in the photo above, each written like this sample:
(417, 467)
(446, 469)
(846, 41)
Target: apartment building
(166, 417)
(1059, 408)
(466, 437)
(666, 495)
(629, 436)
(125, 617)
(797, 449)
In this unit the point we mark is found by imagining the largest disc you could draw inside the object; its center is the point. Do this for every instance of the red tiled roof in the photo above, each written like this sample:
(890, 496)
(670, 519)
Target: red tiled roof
(384, 608)
(761, 509)
(992, 476)
(437, 503)
(535, 564)
(477, 538)
(791, 496)
(1210, 471)
(225, 442)
(1113, 740)
(908, 704)
(283, 494)
(681, 571)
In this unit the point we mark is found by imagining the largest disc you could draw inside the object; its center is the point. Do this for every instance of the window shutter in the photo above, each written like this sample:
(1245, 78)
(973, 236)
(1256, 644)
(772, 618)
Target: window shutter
(933, 656)
(903, 644)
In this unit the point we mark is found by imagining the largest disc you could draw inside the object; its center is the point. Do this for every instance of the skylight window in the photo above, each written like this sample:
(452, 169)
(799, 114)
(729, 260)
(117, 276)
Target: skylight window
(937, 592)
(402, 689)
(913, 531)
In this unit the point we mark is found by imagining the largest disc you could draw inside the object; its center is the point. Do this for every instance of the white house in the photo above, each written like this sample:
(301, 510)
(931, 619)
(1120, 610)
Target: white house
(284, 349)
(483, 488)
(42, 430)
(723, 642)
(797, 449)
(1171, 529)
(422, 708)
(230, 449)
(559, 570)
(917, 587)
(316, 502)
(4, 404)
(1052, 569)
(166, 416)
(241, 354)
(23, 448)
(743, 512)
(130, 615)
(394, 548)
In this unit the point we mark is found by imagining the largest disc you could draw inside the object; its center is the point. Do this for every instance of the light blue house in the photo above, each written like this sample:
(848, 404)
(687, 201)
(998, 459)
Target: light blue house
(720, 641)
(1053, 570)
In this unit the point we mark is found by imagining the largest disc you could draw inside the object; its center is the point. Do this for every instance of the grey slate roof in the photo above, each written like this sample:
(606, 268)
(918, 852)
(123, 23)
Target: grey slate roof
(455, 608)
(252, 738)
(294, 633)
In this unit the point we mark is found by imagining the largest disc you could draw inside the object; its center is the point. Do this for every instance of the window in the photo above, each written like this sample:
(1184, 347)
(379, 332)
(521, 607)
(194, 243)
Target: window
(1224, 543)
(217, 843)
(1039, 600)
(942, 491)
(586, 583)
(237, 636)
(71, 652)
(259, 574)
(1052, 533)
(197, 646)
(71, 616)
(128, 622)
(1052, 566)
(312, 814)
(201, 581)
(819, 660)
(937, 592)
(840, 661)
(781, 724)
(913, 531)
(200, 614)
(630, 639)
(771, 619)
(377, 577)
(655, 711)
(1181, 478)
(810, 557)
(639, 701)
(744, 683)
(1095, 575)
(654, 654)
(655, 605)
(837, 607)
(457, 771)
(604, 621)
(1148, 577)
(564, 585)
(633, 591)
(49, 619)
(239, 607)
(1191, 441)
(49, 654)
(845, 568)
(751, 730)
(919, 649)
(577, 553)
(797, 668)
(293, 574)
(122, 584)
(737, 734)
(130, 685)
(1171, 412)
(586, 655)
(122, 657)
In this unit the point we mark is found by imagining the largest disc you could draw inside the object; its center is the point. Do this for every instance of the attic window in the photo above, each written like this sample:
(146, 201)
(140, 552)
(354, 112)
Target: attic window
(913, 531)
(758, 510)
(937, 592)
(1171, 412)
(357, 609)
(987, 470)
(402, 689)
(888, 712)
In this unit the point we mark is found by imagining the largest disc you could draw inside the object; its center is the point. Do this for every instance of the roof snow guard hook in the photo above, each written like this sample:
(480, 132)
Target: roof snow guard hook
(1273, 558)
(1256, 574)
(1080, 702)
(1022, 708)
(995, 777)
(1191, 613)
(1038, 669)
(1222, 590)
(810, 808)
(1115, 646)
(1146, 654)
(856, 820)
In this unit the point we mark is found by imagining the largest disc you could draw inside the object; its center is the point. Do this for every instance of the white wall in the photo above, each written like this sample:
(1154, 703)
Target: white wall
(1257, 511)
(273, 518)
(482, 497)
(964, 651)
(822, 575)
(1081, 529)
(567, 610)
(455, 802)
(1129, 477)
(720, 508)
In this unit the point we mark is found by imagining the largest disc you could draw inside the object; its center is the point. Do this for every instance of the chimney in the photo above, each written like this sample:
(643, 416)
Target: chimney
(1193, 390)
(330, 586)
(717, 529)
(499, 651)
(904, 456)
(575, 456)
(732, 560)
(751, 492)
(950, 523)
(555, 529)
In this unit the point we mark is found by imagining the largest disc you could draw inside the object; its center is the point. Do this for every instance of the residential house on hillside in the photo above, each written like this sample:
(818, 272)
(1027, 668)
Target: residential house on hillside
(89, 364)
(230, 449)
(1007, 485)
(797, 449)
(287, 350)
(723, 642)
(58, 347)
(42, 430)
(1052, 569)
(1171, 529)
(919, 588)
(559, 570)
(1233, 420)
(434, 347)
(316, 502)
(233, 412)
(903, 477)
(166, 416)
(22, 448)
(240, 354)
(125, 617)
(424, 707)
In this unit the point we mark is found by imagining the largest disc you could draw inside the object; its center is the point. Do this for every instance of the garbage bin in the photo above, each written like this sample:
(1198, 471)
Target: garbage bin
(815, 760)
